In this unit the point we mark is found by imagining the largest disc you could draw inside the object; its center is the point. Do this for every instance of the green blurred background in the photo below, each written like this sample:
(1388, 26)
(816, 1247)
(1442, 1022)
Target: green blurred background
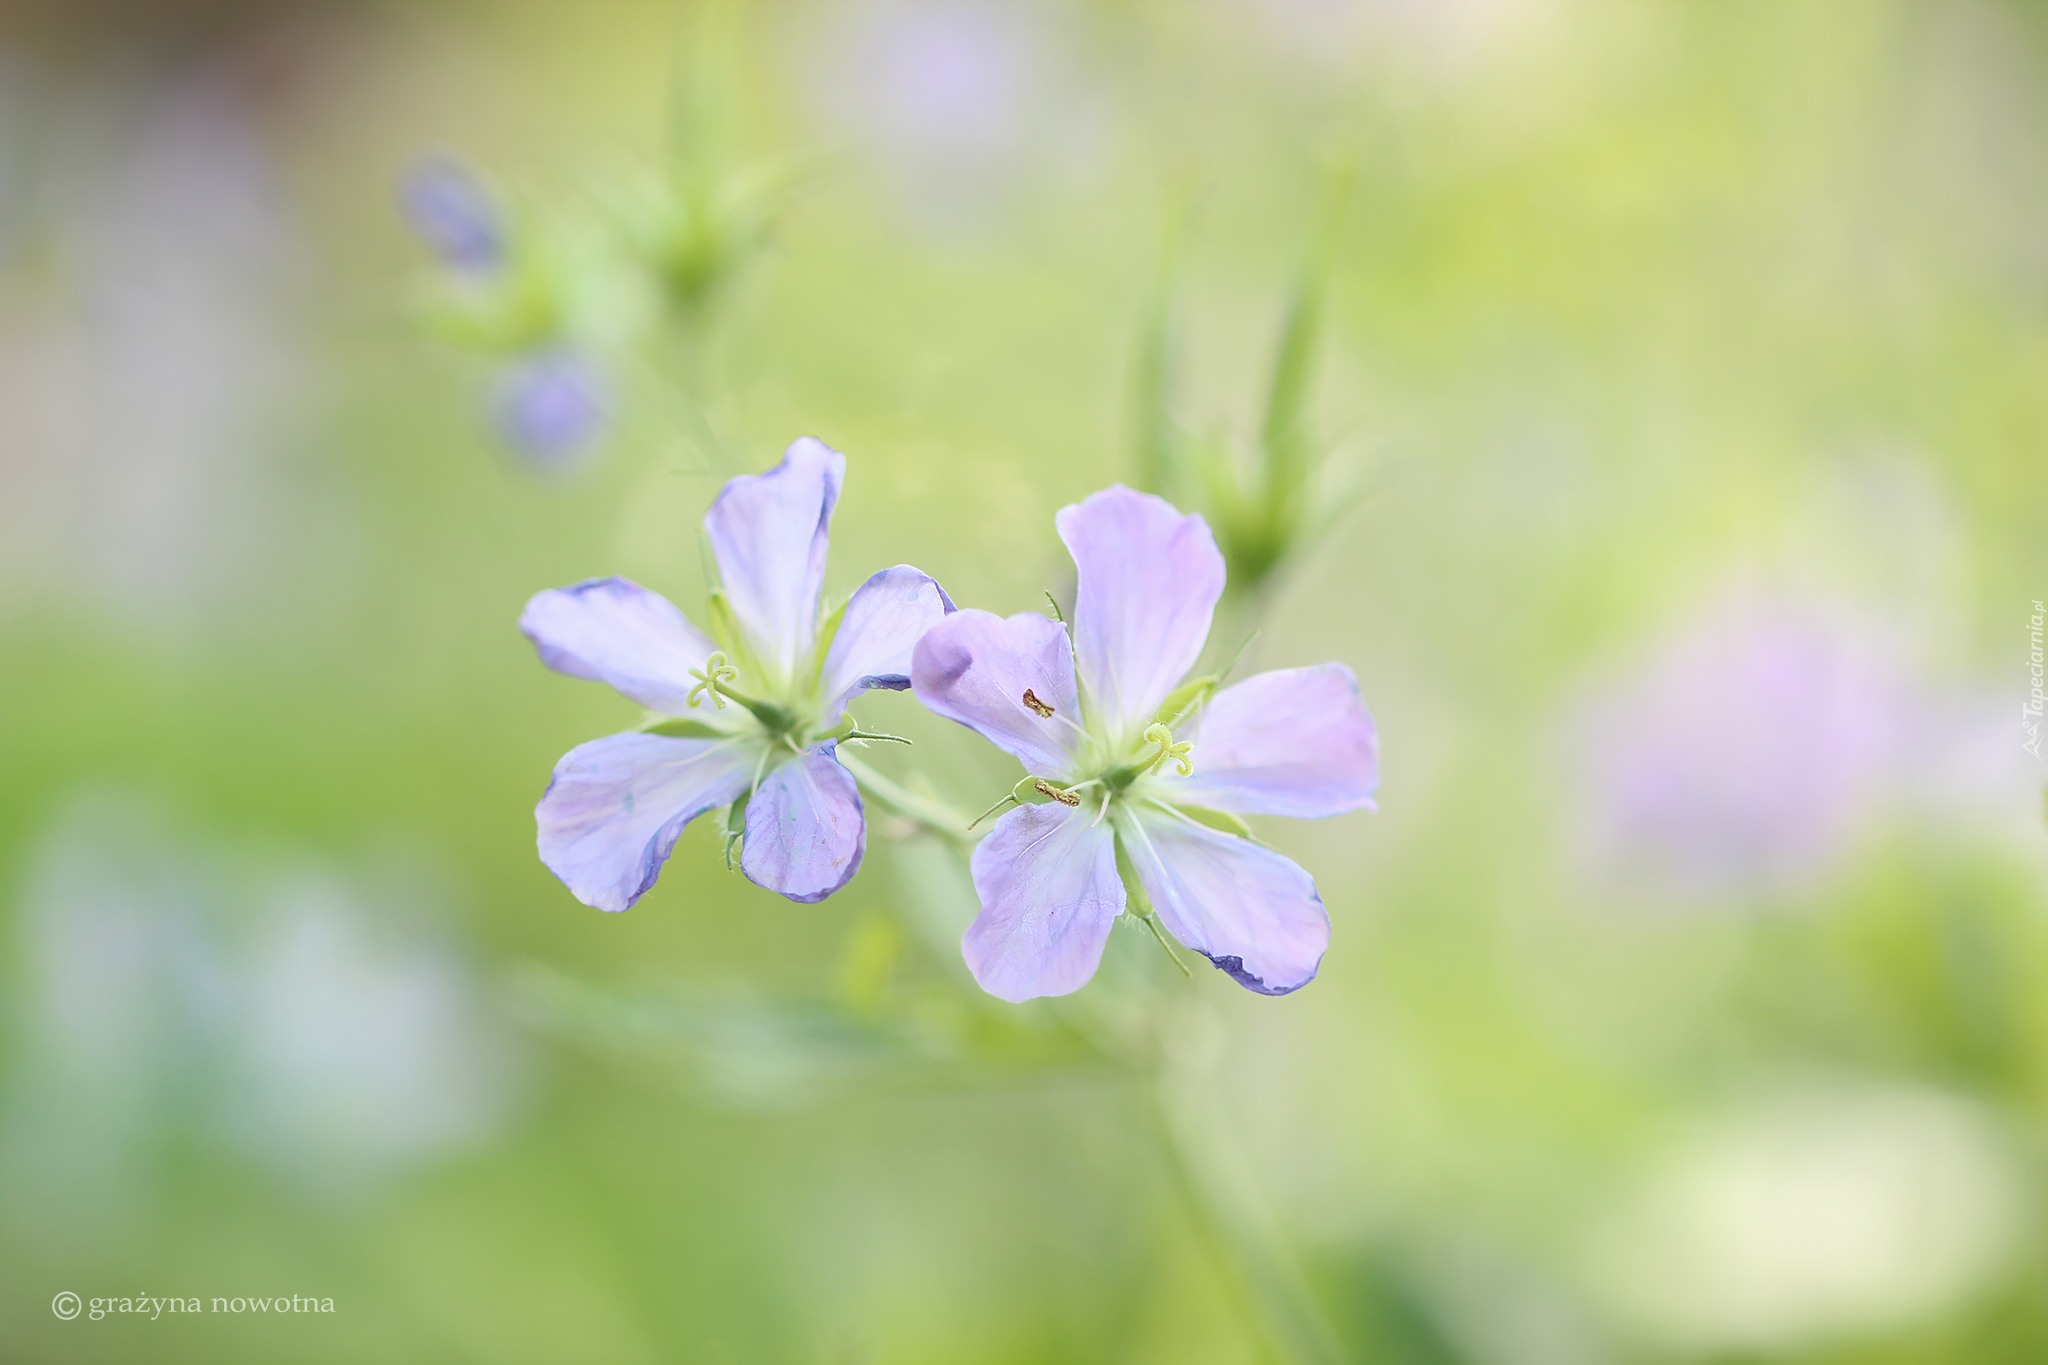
(1681, 401)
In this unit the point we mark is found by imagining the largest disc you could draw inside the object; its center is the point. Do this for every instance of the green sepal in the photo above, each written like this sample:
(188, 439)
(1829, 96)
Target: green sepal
(775, 719)
(828, 632)
(1185, 700)
(1139, 906)
(725, 629)
(1218, 820)
(736, 814)
(735, 825)
(676, 728)
(1136, 902)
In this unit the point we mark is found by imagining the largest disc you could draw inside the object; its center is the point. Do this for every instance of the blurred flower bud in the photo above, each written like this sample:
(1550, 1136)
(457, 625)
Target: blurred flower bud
(691, 246)
(496, 297)
(1257, 500)
(698, 230)
(449, 210)
(551, 408)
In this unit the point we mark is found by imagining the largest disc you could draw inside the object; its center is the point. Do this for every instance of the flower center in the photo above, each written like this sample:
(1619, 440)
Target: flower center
(1107, 786)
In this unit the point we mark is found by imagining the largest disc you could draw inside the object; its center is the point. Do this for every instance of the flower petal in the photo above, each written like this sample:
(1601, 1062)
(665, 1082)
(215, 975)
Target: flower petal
(616, 805)
(805, 831)
(1250, 911)
(612, 630)
(1149, 581)
(768, 532)
(1049, 892)
(883, 623)
(975, 667)
(1296, 741)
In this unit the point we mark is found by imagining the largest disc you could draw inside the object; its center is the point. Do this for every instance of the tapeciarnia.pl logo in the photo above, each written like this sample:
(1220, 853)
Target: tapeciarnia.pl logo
(2030, 714)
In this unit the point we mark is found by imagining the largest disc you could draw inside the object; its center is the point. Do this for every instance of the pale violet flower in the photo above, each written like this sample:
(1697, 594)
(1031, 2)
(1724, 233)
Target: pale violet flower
(454, 215)
(1742, 759)
(1137, 766)
(550, 404)
(551, 407)
(756, 708)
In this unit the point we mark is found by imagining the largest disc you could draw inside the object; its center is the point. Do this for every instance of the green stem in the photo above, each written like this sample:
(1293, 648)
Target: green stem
(1247, 1247)
(924, 811)
(1250, 1250)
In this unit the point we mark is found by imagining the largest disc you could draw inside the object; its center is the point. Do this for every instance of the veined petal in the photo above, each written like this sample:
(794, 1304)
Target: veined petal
(1049, 890)
(612, 630)
(1149, 582)
(976, 668)
(616, 806)
(769, 533)
(805, 831)
(1250, 911)
(1296, 741)
(883, 623)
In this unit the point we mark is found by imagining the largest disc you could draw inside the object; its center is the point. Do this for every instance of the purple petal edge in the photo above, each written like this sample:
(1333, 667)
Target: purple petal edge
(1233, 966)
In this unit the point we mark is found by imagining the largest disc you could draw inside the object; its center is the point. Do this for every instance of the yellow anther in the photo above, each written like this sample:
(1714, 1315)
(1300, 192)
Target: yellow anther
(1169, 752)
(715, 671)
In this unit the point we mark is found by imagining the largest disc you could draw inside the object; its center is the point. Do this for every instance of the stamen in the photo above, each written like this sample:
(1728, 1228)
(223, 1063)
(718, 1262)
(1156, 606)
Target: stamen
(1169, 752)
(1059, 794)
(716, 671)
(1035, 706)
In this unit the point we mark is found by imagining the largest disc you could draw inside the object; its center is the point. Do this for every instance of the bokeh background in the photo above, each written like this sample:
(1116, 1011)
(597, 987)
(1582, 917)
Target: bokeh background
(1679, 415)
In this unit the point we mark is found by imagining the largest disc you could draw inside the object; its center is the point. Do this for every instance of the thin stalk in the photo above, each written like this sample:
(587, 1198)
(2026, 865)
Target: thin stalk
(1264, 1272)
(1288, 454)
(925, 812)
(1154, 362)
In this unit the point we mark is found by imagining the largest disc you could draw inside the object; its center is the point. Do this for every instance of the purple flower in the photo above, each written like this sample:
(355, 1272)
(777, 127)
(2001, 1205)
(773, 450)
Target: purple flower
(550, 407)
(449, 211)
(757, 708)
(1125, 752)
(1740, 758)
